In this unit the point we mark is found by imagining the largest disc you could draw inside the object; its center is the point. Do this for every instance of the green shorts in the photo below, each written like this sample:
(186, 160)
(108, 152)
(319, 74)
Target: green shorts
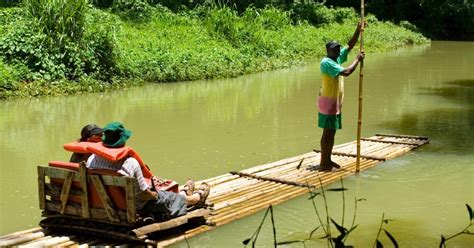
(330, 121)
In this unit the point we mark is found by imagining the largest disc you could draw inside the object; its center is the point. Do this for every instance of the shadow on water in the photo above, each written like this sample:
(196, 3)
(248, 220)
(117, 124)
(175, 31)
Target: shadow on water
(448, 127)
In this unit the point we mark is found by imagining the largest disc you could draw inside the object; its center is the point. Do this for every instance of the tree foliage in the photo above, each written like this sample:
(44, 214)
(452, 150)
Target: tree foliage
(438, 19)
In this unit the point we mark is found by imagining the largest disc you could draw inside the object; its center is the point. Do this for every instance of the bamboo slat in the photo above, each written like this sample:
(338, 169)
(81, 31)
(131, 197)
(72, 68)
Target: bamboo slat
(20, 233)
(390, 142)
(402, 136)
(22, 239)
(354, 155)
(142, 231)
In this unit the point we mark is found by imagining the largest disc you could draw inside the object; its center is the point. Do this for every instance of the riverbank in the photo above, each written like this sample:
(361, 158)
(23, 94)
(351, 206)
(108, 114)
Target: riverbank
(127, 49)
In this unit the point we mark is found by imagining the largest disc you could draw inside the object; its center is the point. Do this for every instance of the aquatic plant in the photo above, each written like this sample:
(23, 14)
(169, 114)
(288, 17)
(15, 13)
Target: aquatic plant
(466, 230)
(326, 224)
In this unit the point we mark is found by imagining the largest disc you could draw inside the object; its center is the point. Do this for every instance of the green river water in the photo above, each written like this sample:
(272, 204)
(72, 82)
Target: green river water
(207, 128)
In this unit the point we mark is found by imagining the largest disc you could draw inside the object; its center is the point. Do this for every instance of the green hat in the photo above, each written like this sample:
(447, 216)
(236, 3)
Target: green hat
(115, 135)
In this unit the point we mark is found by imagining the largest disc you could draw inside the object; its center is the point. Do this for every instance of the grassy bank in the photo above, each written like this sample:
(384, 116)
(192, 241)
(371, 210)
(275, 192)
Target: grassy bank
(128, 45)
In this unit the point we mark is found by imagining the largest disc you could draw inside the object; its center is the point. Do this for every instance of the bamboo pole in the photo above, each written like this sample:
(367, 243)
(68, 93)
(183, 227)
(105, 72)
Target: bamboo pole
(361, 80)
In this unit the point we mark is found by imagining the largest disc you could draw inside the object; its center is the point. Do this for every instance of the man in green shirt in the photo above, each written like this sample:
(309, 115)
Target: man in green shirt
(331, 94)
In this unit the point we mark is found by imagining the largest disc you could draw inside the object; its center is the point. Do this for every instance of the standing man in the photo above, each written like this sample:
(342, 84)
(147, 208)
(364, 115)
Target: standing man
(331, 94)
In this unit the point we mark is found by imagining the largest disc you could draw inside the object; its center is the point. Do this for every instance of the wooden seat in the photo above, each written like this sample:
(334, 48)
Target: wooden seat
(109, 196)
(71, 191)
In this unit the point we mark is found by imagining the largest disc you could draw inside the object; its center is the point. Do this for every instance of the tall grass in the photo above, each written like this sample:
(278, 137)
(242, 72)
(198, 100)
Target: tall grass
(58, 19)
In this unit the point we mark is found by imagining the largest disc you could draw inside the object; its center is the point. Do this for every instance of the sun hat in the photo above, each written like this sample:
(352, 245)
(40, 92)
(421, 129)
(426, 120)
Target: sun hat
(115, 135)
(89, 130)
(332, 44)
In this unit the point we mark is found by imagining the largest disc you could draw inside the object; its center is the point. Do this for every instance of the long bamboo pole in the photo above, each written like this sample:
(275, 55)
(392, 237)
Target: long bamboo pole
(361, 80)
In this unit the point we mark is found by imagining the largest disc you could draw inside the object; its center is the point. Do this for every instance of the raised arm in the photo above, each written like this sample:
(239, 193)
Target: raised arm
(354, 38)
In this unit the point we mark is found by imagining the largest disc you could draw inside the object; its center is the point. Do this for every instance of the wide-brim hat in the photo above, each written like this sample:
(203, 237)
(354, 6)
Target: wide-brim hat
(115, 135)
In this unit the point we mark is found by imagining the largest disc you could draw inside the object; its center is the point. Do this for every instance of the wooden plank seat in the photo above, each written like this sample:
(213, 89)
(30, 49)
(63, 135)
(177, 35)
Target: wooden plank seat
(109, 198)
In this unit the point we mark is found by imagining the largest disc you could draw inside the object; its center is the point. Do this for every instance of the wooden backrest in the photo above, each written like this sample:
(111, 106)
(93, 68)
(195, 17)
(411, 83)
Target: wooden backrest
(109, 196)
(117, 194)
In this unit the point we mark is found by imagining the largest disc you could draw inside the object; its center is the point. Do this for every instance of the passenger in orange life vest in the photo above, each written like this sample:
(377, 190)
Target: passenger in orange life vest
(160, 203)
(89, 133)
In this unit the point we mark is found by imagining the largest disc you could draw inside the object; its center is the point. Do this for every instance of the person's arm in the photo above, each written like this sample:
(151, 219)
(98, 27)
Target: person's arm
(354, 38)
(351, 68)
(148, 195)
(136, 172)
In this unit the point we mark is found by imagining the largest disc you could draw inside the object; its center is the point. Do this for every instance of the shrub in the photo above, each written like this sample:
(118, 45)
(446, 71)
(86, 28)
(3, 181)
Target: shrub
(317, 14)
(55, 42)
(225, 22)
(9, 3)
(272, 18)
(409, 26)
(7, 76)
(134, 10)
(103, 3)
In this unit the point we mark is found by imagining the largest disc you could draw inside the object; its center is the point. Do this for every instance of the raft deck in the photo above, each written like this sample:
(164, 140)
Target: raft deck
(239, 194)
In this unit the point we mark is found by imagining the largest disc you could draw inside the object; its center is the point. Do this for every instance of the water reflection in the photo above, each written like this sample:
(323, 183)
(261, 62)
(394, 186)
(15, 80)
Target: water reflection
(451, 126)
(208, 128)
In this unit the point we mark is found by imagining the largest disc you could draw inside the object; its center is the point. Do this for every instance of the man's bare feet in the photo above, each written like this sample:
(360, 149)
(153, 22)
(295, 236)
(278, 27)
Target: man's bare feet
(335, 165)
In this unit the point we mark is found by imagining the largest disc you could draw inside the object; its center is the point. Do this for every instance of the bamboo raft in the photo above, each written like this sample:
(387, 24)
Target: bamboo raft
(239, 194)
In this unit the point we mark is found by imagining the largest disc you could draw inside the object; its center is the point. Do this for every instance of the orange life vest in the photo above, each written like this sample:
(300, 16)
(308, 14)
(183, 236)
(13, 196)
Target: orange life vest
(78, 147)
(112, 154)
(115, 154)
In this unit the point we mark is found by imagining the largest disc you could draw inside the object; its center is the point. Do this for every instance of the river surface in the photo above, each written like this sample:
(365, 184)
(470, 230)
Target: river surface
(206, 128)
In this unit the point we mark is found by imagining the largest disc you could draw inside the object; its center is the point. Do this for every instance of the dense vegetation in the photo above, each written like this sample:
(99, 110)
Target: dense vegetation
(53, 47)
(437, 19)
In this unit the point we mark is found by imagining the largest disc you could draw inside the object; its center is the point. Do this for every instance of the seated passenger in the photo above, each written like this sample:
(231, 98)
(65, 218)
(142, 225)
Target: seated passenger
(89, 133)
(159, 203)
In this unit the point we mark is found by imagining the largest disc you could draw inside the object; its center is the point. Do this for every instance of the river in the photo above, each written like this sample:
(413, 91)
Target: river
(206, 128)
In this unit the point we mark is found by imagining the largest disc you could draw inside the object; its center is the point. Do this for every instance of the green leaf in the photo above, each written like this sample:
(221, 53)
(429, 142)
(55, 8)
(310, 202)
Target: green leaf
(245, 242)
(340, 228)
(313, 194)
(387, 220)
(352, 229)
(337, 189)
(394, 241)
(379, 244)
(325, 236)
(443, 242)
(469, 209)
